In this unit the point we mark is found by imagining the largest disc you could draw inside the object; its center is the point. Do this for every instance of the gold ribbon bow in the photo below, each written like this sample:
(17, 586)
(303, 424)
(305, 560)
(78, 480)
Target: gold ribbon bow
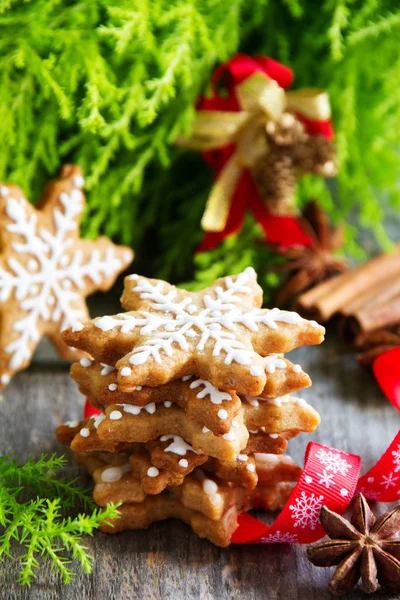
(261, 101)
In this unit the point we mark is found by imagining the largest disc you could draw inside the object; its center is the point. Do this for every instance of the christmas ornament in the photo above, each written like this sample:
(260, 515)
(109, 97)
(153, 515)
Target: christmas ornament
(363, 548)
(46, 270)
(309, 265)
(290, 152)
(258, 139)
(120, 121)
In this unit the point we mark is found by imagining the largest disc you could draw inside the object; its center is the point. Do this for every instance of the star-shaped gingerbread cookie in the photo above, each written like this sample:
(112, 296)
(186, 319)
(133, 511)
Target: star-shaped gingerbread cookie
(46, 270)
(220, 334)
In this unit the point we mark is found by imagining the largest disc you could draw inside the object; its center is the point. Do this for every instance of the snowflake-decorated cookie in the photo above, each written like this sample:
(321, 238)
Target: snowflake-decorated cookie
(201, 401)
(46, 270)
(220, 334)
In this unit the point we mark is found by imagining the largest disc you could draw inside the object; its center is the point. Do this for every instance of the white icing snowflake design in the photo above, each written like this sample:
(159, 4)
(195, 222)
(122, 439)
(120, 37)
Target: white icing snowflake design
(333, 462)
(178, 445)
(46, 279)
(279, 537)
(306, 510)
(396, 459)
(173, 323)
(215, 395)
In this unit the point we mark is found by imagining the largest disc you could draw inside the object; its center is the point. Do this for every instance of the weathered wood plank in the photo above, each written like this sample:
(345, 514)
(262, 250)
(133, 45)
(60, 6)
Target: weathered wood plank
(168, 560)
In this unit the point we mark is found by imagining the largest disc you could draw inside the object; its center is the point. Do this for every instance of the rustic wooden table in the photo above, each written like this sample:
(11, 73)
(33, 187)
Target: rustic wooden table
(168, 560)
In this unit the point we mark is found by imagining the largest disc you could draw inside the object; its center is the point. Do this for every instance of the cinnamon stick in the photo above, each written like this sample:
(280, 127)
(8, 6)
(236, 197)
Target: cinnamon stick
(332, 296)
(365, 320)
(375, 343)
(378, 337)
(377, 295)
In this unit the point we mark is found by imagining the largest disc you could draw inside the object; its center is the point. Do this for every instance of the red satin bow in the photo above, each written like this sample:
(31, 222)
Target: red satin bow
(280, 230)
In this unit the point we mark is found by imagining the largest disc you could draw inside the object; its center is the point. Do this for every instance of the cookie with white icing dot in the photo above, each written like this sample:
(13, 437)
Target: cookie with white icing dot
(209, 505)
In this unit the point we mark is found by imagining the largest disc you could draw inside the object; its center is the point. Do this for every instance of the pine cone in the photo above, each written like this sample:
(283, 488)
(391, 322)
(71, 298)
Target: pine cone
(287, 131)
(290, 149)
(275, 179)
(315, 155)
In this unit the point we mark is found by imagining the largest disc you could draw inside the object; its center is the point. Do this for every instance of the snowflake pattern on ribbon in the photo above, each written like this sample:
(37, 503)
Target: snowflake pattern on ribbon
(396, 459)
(333, 462)
(370, 494)
(389, 480)
(298, 522)
(326, 478)
(333, 466)
(306, 509)
(46, 269)
(279, 537)
(382, 481)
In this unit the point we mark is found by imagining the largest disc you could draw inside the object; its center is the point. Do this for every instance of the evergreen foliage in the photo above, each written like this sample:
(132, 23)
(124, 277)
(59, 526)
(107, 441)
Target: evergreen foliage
(234, 255)
(111, 84)
(33, 505)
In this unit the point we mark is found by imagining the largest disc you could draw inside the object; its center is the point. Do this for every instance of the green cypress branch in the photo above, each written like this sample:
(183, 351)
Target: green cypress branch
(38, 524)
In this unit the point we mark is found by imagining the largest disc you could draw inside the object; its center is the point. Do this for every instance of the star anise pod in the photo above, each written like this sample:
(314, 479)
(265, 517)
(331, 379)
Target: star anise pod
(363, 548)
(376, 342)
(309, 265)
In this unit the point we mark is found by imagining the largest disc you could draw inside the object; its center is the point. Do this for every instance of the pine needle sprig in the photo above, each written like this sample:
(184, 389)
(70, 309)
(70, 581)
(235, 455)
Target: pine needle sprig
(40, 475)
(33, 507)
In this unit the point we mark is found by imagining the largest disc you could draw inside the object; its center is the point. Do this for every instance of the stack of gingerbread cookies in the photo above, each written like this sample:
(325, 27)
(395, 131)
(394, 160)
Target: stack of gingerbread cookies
(196, 411)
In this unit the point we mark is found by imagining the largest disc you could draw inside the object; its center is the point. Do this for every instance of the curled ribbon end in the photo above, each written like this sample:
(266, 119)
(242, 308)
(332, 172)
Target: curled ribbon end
(212, 225)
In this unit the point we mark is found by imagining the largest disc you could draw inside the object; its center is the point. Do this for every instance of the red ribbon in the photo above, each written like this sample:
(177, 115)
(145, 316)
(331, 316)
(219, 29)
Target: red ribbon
(89, 410)
(382, 482)
(329, 478)
(281, 230)
(386, 368)
(327, 475)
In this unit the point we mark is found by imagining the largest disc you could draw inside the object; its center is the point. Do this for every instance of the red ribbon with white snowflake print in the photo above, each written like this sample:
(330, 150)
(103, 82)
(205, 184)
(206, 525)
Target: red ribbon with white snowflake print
(382, 482)
(329, 478)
